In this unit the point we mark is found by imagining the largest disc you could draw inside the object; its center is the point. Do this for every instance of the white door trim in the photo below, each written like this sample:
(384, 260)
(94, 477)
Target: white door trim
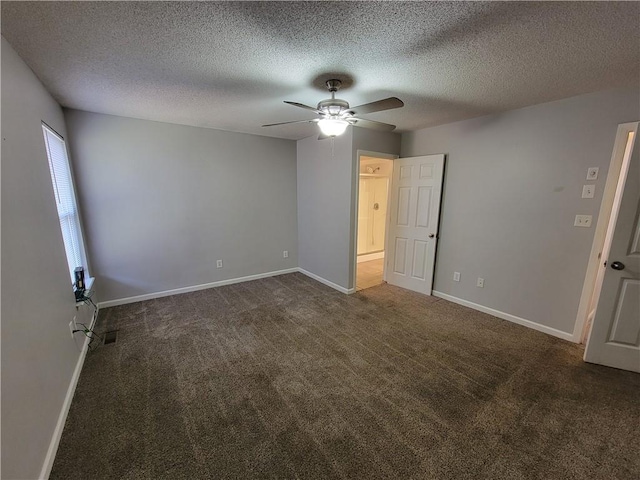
(604, 215)
(355, 189)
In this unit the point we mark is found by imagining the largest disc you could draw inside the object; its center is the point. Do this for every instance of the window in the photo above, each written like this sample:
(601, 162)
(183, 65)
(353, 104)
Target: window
(65, 199)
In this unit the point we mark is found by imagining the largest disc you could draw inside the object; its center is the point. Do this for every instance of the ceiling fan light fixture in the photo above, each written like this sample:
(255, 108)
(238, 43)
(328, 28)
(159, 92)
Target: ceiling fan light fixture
(336, 114)
(332, 127)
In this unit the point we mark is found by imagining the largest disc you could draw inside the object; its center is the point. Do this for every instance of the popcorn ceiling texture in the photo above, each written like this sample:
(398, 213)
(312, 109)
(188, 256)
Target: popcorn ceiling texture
(229, 65)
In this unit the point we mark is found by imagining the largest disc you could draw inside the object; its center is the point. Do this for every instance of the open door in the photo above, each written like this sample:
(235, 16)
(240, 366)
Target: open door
(615, 334)
(416, 189)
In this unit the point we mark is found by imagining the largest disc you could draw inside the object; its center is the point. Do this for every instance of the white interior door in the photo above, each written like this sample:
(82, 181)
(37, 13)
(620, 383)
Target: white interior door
(416, 188)
(615, 334)
(372, 214)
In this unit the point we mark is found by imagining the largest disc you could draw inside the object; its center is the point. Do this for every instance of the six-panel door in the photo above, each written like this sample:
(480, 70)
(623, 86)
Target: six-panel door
(413, 223)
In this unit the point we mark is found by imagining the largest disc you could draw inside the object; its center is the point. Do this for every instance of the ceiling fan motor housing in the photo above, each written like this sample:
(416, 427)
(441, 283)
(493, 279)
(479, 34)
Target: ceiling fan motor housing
(333, 106)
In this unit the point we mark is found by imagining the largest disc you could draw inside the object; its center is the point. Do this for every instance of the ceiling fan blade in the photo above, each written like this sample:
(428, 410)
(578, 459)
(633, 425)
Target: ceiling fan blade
(385, 104)
(361, 122)
(306, 107)
(288, 123)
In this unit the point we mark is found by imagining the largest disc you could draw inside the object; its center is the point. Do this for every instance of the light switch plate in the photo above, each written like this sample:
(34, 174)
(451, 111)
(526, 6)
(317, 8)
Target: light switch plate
(588, 191)
(592, 173)
(582, 221)
(456, 276)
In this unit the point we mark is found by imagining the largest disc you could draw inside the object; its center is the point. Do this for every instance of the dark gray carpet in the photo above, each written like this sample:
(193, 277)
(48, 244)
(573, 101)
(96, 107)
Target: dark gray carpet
(286, 378)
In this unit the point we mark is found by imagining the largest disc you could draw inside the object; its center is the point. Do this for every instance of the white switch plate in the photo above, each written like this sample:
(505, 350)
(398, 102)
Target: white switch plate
(456, 276)
(285, 254)
(592, 173)
(218, 263)
(480, 282)
(582, 221)
(588, 191)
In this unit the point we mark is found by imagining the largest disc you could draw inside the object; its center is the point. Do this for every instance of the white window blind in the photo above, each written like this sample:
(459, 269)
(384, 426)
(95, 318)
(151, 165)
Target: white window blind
(65, 199)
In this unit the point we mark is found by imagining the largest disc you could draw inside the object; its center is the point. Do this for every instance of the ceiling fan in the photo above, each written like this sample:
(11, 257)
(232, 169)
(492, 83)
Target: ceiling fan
(336, 115)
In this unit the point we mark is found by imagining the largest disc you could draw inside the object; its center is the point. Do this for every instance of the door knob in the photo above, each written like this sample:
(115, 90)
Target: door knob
(431, 235)
(617, 265)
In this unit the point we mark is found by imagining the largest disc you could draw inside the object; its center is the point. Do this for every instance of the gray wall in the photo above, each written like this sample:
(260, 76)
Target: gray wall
(327, 182)
(324, 196)
(513, 185)
(38, 354)
(163, 202)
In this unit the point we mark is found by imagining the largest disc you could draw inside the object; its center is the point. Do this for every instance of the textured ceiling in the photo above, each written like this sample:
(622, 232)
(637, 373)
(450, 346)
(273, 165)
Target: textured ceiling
(229, 65)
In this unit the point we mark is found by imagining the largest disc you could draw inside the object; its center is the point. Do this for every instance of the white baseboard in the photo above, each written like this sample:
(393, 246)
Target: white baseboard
(193, 288)
(508, 317)
(66, 405)
(327, 282)
(367, 257)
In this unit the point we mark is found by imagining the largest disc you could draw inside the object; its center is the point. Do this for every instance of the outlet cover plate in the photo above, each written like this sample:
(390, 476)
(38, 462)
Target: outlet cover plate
(582, 221)
(588, 191)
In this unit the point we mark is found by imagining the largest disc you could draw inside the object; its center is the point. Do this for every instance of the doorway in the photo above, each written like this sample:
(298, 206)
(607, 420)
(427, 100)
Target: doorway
(373, 197)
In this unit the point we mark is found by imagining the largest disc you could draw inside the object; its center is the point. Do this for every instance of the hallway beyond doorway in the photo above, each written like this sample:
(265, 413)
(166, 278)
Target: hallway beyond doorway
(369, 274)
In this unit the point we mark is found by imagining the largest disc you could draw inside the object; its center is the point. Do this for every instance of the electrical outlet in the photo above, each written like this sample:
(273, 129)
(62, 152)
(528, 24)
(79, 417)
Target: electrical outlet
(285, 254)
(456, 276)
(588, 191)
(582, 221)
(480, 282)
(592, 173)
(218, 263)
(71, 326)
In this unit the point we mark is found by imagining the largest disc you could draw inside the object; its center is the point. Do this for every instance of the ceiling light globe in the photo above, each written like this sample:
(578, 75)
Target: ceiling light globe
(332, 127)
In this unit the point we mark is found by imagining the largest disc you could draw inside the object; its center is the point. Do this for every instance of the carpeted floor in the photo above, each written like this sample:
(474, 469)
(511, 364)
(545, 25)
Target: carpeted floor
(286, 378)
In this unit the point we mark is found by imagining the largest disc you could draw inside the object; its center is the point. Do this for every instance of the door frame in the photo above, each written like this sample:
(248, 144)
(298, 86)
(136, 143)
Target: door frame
(592, 277)
(355, 187)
